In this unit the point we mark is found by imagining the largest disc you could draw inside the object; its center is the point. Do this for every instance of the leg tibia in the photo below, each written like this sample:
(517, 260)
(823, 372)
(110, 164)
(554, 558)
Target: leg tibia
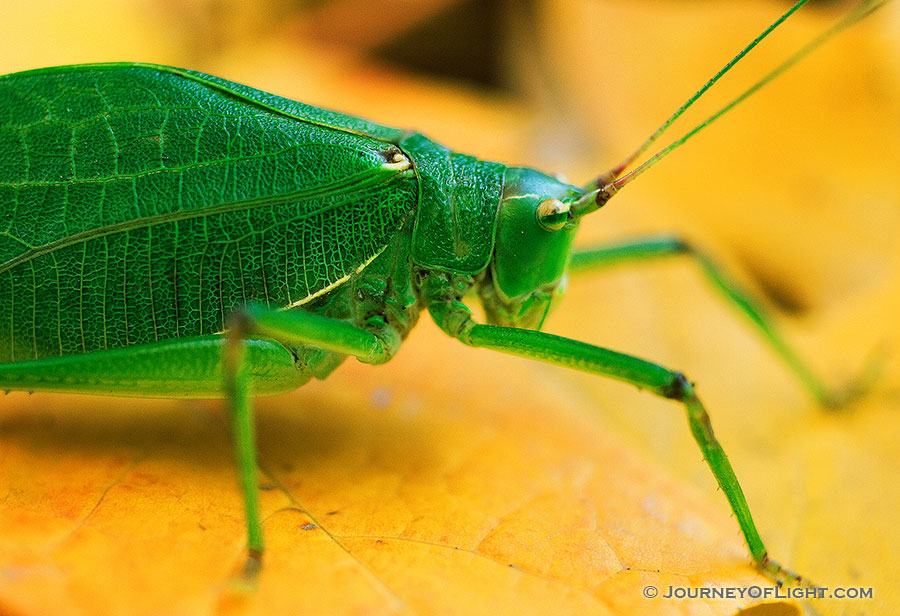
(293, 328)
(645, 375)
(647, 248)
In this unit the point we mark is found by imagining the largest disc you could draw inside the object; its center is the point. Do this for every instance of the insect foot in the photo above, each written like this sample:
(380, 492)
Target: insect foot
(783, 576)
(859, 387)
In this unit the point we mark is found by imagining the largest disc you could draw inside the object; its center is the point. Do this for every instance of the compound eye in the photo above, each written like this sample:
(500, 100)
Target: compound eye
(552, 214)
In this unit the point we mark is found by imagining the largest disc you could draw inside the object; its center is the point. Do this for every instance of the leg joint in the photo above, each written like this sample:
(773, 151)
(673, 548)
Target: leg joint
(679, 388)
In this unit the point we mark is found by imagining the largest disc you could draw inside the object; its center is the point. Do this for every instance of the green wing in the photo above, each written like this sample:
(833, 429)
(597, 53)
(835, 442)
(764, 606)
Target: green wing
(140, 203)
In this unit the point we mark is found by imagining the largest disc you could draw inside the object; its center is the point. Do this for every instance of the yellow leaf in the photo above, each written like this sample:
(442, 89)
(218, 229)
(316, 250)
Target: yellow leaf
(459, 481)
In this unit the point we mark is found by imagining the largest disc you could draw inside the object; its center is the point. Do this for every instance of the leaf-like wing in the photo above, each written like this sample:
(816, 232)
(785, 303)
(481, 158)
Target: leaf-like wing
(140, 202)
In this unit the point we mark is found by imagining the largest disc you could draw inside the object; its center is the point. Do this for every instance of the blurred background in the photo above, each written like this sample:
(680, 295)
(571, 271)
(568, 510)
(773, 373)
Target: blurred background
(796, 193)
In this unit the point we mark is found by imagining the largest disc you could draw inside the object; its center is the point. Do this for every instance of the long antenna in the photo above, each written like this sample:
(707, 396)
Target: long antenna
(612, 174)
(606, 185)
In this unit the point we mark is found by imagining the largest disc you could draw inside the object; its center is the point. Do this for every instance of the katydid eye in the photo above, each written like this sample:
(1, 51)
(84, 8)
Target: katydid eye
(552, 214)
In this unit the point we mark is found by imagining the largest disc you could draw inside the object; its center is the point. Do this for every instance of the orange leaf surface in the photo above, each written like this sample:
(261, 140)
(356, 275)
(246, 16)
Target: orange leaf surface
(456, 480)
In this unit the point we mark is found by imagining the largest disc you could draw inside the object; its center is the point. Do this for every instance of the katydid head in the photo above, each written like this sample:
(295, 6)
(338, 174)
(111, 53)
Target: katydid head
(536, 225)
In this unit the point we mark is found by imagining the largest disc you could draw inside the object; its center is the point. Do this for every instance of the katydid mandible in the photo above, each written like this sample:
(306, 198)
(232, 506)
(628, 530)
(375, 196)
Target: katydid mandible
(165, 233)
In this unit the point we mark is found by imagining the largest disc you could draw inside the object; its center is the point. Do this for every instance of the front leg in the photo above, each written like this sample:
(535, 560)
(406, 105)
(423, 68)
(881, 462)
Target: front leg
(454, 318)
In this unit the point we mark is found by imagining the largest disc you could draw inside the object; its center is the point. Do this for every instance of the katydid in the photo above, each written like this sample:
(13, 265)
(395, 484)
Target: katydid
(165, 233)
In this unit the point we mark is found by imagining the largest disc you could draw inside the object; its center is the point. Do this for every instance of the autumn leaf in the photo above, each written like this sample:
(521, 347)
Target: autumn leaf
(455, 480)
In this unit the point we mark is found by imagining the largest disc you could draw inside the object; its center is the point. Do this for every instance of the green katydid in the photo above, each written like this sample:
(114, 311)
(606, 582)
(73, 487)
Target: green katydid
(165, 233)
